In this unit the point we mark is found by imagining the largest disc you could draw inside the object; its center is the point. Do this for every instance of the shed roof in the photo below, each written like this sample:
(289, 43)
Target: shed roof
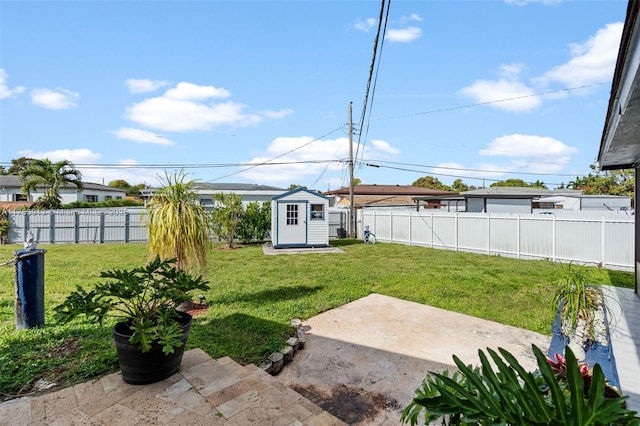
(295, 191)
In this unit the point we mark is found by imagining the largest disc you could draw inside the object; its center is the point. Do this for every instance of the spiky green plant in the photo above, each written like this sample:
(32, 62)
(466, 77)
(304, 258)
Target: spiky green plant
(578, 299)
(177, 223)
(507, 394)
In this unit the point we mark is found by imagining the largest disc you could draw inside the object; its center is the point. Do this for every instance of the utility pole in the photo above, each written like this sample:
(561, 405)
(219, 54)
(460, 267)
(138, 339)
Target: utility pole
(352, 210)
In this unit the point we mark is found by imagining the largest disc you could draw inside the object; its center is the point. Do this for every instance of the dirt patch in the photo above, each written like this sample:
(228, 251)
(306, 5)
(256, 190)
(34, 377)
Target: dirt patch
(68, 346)
(193, 308)
(351, 405)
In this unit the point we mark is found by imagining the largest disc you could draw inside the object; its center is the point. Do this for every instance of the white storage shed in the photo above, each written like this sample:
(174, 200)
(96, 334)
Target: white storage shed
(300, 218)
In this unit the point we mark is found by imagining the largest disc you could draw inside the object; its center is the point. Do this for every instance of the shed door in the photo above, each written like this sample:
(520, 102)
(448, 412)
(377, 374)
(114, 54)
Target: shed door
(292, 223)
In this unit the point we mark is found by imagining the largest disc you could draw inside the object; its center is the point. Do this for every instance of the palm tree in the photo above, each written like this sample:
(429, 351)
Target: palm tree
(178, 224)
(51, 175)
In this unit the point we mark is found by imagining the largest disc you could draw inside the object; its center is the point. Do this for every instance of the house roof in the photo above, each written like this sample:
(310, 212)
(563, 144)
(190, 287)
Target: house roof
(377, 200)
(517, 192)
(231, 187)
(620, 142)
(15, 205)
(13, 181)
(388, 190)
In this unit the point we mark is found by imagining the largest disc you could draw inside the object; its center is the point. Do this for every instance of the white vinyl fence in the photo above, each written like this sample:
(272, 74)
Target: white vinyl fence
(606, 240)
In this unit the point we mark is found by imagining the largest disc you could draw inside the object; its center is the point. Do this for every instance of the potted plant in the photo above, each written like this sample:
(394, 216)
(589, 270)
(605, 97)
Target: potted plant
(580, 310)
(502, 392)
(151, 334)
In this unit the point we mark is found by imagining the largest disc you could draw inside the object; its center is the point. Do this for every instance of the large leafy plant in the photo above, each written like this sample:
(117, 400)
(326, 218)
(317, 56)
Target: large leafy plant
(145, 297)
(558, 393)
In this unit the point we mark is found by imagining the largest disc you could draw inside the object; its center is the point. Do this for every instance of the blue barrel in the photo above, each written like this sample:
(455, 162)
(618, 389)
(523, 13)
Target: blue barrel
(29, 303)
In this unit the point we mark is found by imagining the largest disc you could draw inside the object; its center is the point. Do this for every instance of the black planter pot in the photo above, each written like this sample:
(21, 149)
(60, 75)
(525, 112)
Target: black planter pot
(141, 368)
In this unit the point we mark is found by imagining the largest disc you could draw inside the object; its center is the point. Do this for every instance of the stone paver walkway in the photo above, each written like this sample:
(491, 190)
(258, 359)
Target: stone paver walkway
(204, 392)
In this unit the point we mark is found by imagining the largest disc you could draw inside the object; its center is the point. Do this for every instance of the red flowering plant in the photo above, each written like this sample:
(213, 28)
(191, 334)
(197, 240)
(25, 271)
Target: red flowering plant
(559, 369)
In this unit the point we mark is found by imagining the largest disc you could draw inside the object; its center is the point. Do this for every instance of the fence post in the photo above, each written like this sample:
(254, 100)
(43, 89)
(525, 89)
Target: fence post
(52, 226)
(431, 230)
(518, 231)
(488, 233)
(101, 227)
(456, 231)
(602, 252)
(391, 225)
(553, 238)
(127, 225)
(76, 226)
(410, 228)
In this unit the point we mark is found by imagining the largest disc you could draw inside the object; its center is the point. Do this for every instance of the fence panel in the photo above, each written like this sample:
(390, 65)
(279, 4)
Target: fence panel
(606, 241)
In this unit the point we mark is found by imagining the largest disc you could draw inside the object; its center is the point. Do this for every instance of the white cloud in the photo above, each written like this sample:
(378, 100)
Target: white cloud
(591, 62)
(181, 109)
(458, 170)
(192, 92)
(57, 98)
(404, 35)
(127, 171)
(276, 114)
(520, 97)
(528, 146)
(305, 171)
(414, 17)
(365, 25)
(142, 136)
(145, 85)
(383, 146)
(80, 156)
(5, 92)
(185, 116)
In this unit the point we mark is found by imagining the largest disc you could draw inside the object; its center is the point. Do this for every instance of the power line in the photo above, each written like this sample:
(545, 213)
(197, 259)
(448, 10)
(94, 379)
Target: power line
(449, 175)
(568, 89)
(377, 53)
(276, 157)
(367, 162)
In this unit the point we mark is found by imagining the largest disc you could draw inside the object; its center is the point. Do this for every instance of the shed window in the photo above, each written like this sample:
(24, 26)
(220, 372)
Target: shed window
(20, 197)
(292, 214)
(91, 198)
(317, 211)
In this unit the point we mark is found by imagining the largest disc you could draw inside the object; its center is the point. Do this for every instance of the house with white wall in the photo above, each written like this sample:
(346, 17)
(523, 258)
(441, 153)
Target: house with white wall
(507, 199)
(207, 192)
(11, 191)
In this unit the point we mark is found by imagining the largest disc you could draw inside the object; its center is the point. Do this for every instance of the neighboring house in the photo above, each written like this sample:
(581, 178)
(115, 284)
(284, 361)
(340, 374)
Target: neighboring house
(507, 199)
(300, 218)
(585, 202)
(384, 196)
(620, 143)
(207, 192)
(11, 191)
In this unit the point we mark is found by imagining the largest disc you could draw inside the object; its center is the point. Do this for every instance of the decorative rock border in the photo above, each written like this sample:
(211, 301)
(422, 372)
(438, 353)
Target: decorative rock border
(277, 360)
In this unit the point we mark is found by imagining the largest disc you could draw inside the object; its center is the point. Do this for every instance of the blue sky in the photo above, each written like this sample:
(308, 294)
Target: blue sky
(129, 89)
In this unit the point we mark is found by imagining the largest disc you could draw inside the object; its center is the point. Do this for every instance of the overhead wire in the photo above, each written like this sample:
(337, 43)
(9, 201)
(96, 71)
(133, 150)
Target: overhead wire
(276, 157)
(374, 60)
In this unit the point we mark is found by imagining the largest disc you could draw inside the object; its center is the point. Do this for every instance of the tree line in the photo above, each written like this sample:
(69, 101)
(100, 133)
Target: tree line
(614, 182)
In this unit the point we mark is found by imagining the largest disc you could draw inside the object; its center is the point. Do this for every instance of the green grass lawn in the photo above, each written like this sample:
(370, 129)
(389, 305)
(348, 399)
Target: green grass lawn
(253, 297)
